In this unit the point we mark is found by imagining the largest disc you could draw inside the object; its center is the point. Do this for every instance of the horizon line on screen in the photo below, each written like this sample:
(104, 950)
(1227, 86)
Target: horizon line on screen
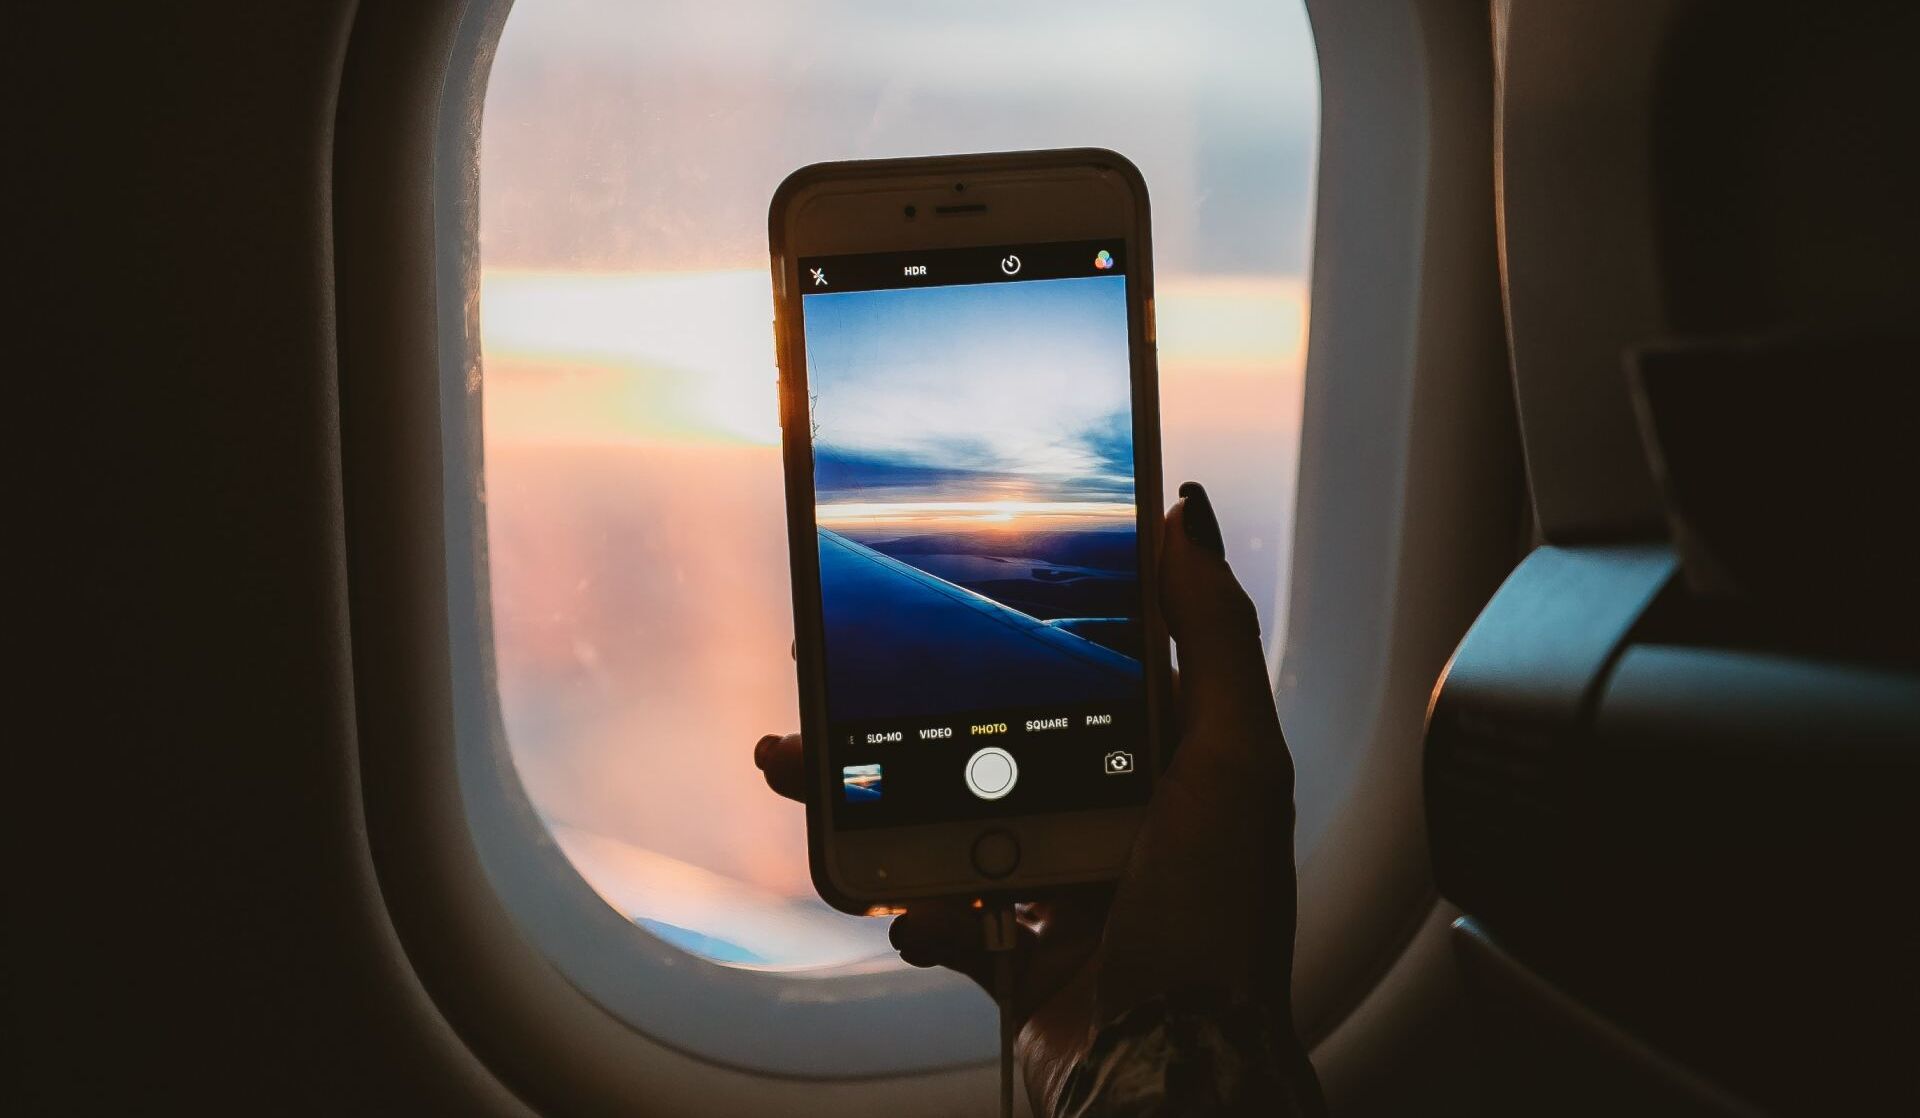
(856, 512)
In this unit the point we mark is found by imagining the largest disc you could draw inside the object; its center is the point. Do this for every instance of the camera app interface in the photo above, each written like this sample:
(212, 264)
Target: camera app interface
(972, 431)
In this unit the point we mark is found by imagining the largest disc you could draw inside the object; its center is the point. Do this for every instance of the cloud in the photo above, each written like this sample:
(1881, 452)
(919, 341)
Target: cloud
(1018, 390)
(1108, 445)
(844, 475)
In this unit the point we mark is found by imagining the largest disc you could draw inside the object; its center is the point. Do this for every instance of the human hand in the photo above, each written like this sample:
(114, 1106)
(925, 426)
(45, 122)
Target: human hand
(1206, 900)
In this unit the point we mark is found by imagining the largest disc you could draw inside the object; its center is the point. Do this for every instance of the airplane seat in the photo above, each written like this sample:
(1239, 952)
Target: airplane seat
(1670, 769)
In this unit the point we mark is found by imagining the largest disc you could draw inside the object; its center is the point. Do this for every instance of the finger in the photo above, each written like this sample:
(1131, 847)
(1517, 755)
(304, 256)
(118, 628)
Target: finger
(1066, 931)
(950, 934)
(1073, 911)
(944, 934)
(779, 759)
(1224, 689)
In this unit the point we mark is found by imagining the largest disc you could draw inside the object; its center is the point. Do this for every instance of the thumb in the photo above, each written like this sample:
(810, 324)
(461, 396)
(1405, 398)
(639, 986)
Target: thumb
(1226, 695)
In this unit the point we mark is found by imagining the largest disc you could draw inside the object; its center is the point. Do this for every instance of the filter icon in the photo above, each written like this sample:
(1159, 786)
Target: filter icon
(1103, 260)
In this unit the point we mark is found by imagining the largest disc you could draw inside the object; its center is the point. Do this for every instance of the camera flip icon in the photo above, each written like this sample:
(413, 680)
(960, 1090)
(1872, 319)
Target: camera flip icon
(1118, 762)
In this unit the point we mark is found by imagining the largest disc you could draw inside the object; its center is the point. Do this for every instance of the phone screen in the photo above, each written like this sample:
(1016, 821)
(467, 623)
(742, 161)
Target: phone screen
(973, 437)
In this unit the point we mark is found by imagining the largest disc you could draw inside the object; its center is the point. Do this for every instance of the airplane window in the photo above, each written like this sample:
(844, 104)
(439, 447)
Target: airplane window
(635, 526)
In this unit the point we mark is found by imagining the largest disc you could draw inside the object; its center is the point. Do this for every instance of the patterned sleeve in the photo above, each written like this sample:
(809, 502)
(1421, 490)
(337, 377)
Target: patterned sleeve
(1193, 1054)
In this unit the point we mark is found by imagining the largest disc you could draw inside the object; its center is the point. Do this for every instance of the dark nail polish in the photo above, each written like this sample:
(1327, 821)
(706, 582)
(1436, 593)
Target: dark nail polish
(1203, 527)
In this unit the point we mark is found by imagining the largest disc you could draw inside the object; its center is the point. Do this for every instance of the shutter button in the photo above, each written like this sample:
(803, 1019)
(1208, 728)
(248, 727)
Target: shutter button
(991, 773)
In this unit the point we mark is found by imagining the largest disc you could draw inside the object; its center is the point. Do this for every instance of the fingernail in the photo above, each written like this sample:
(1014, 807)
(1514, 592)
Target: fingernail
(760, 749)
(1203, 527)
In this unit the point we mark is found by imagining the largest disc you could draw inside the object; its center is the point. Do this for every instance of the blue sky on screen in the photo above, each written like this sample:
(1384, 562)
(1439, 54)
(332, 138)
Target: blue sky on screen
(1007, 391)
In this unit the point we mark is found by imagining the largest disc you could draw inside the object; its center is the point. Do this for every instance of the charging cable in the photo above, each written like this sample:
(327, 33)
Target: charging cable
(1001, 935)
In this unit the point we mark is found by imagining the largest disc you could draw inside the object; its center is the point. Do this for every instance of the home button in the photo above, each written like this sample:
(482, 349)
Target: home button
(996, 854)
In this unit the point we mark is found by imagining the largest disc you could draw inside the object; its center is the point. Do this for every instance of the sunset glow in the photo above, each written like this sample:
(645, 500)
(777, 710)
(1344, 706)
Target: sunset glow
(612, 358)
(877, 514)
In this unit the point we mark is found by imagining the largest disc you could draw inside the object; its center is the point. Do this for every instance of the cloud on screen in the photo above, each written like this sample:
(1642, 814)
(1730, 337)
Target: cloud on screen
(990, 390)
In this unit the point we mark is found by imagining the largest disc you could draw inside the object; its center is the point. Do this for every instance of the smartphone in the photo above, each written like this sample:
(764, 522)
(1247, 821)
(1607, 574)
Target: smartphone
(971, 441)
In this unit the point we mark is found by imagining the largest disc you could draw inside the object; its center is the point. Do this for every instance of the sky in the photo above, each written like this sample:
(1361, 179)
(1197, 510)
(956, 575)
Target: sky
(997, 391)
(629, 136)
(637, 557)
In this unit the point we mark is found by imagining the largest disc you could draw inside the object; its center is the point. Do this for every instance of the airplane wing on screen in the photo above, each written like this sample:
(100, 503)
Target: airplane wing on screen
(902, 643)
